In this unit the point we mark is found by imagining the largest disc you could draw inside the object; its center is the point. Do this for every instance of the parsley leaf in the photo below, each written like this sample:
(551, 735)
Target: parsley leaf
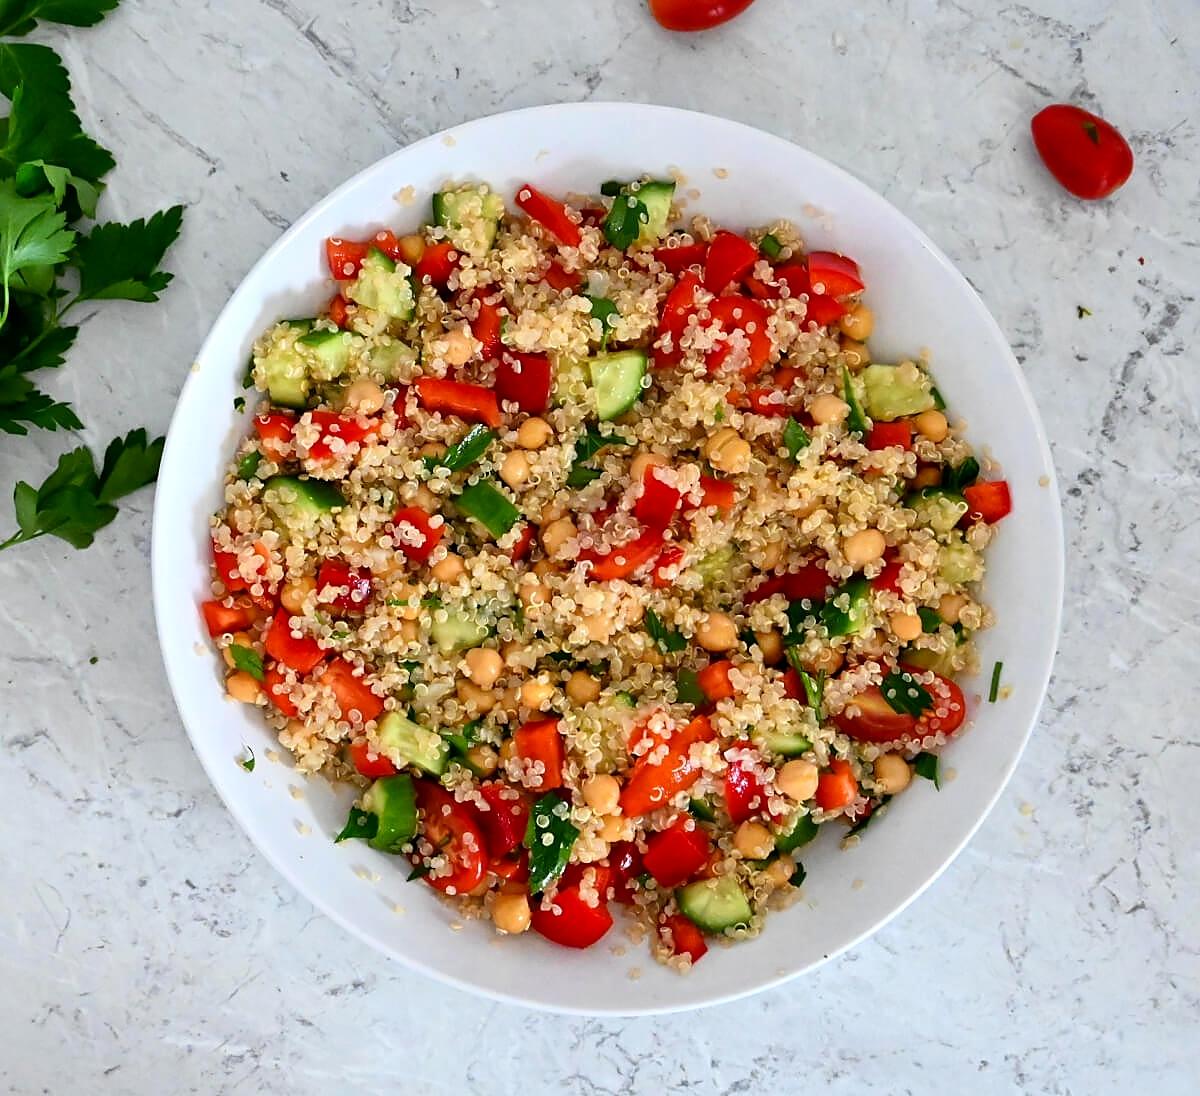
(955, 479)
(33, 235)
(47, 350)
(360, 824)
(603, 310)
(928, 765)
(21, 403)
(994, 690)
(20, 16)
(904, 695)
(129, 463)
(930, 621)
(795, 438)
(248, 660)
(687, 688)
(120, 262)
(585, 448)
(248, 465)
(624, 222)
(247, 762)
(666, 639)
(550, 818)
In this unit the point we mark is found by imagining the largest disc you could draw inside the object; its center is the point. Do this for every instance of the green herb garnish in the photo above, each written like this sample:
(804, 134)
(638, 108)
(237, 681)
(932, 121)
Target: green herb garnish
(1081, 311)
(930, 621)
(770, 246)
(248, 465)
(814, 687)
(965, 474)
(624, 222)
(464, 452)
(928, 765)
(904, 694)
(994, 690)
(857, 421)
(585, 449)
(687, 688)
(247, 762)
(548, 859)
(795, 438)
(798, 876)
(239, 404)
(361, 824)
(248, 660)
(667, 640)
(606, 312)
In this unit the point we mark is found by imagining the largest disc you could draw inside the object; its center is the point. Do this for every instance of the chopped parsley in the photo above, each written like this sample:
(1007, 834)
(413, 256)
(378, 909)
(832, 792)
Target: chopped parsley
(239, 404)
(965, 474)
(687, 688)
(904, 694)
(798, 876)
(585, 449)
(795, 438)
(930, 621)
(994, 690)
(247, 762)
(1080, 311)
(548, 859)
(606, 312)
(667, 640)
(928, 765)
(248, 660)
(248, 465)
(361, 824)
(624, 222)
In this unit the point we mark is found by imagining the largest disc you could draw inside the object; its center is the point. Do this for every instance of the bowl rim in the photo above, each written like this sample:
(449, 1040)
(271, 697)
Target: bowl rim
(666, 115)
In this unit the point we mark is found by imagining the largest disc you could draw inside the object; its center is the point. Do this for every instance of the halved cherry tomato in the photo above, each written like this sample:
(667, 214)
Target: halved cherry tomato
(680, 258)
(677, 309)
(884, 435)
(717, 493)
(570, 921)
(836, 786)
(730, 258)
(539, 741)
(274, 430)
(339, 311)
(745, 795)
(352, 692)
(877, 721)
(686, 939)
(676, 854)
(437, 264)
(714, 681)
(300, 654)
(559, 277)
(345, 257)
(1082, 151)
(221, 618)
(670, 557)
(347, 428)
(415, 534)
(988, 502)
(652, 783)
(472, 402)
(524, 544)
(512, 869)
(368, 764)
(691, 15)
(487, 325)
(504, 825)
(833, 275)
(747, 316)
(601, 877)
(624, 560)
(276, 687)
(550, 214)
(356, 581)
(451, 828)
(809, 583)
(656, 505)
(524, 379)
(625, 864)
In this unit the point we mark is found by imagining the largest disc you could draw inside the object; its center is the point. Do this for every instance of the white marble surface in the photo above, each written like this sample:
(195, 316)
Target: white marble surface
(146, 948)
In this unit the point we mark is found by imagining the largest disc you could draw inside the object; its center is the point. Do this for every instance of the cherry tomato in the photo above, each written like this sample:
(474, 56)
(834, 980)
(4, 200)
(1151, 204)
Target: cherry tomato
(524, 379)
(988, 502)
(656, 505)
(744, 793)
(437, 264)
(345, 257)
(876, 720)
(222, 618)
(450, 827)
(415, 534)
(625, 864)
(809, 583)
(550, 214)
(276, 687)
(539, 741)
(730, 258)
(368, 765)
(749, 318)
(300, 654)
(681, 257)
(832, 274)
(504, 825)
(1081, 150)
(677, 309)
(570, 921)
(691, 15)
(714, 681)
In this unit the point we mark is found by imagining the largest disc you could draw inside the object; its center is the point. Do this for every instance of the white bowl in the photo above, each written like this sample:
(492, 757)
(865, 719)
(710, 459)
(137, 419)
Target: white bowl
(745, 178)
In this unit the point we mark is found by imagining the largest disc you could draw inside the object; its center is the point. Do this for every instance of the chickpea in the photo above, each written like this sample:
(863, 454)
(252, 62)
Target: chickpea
(478, 701)
(532, 592)
(411, 248)
(771, 645)
(754, 841)
(797, 779)
(829, 659)
(717, 632)
(951, 606)
(510, 913)
(510, 700)
(602, 793)
(534, 433)
(932, 425)
(614, 828)
(772, 554)
(448, 569)
(856, 354)
(582, 688)
(557, 533)
(410, 631)
(508, 751)
(780, 871)
(892, 773)
(426, 499)
(536, 694)
(484, 666)
(728, 451)
(460, 346)
(242, 687)
(365, 397)
(863, 547)
(905, 626)
(483, 759)
(828, 409)
(639, 464)
(858, 323)
(434, 449)
(295, 591)
(929, 476)
(545, 567)
(600, 627)
(515, 468)
(240, 639)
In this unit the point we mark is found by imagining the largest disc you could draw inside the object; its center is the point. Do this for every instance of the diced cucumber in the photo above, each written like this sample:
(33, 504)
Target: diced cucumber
(770, 246)
(408, 743)
(715, 566)
(940, 662)
(852, 619)
(383, 286)
(488, 506)
(656, 196)
(626, 700)
(393, 359)
(283, 372)
(393, 801)
(856, 421)
(703, 810)
(471, 216)
(959, 562)
(329, 352)
(801, 830)
(787, 743)
(458, 632)
(617, 379)
(888, 396)
(714, 904)
(300, 504)
(938, 509)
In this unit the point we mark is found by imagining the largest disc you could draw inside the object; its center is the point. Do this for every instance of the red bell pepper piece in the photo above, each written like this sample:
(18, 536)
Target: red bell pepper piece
(670, 557)
(367, 764)
(676, 854)
(351, 691)
(505, 823)
(221, 618)
(889, 577)
(300, 654)
(472, 402)
(714, 681)
(571, 922)
(437, 264)
(356, 580)
(276, 687)
(680, 258)
(524, 545)
(825, 310)
(274, 430)
(686, 939)
(625, 864)
(988, 501)
(415, 534)
(339, 311)
(836, 786)
(511, 869)
(759, 290)
(345, 257)
(623, 561)
(884, 435)
(744, 792)
(678, 307)
(524, 379)
(730, 258)
(748, 317)
(832, 274)
(718, 493)
(550, 214)
(487, 326)
(810, 583)
(656, 505)
(349, 429)
(652, 783)
(559, 277)
(539, 740)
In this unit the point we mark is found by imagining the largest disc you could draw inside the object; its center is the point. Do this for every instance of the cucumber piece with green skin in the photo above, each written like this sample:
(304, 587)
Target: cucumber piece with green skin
(488, 506)
(770, 246)
(856, 421)
(330, 352)
(393, 801)
(714, 905)
(703, 810)
(783, 742)
(937, 508)
(888, 397)
(959, 562)
(300, 504)
(283, 372)
(852, 619)
(656, 196)
(801, 831)
(617, 380)
(392, 359)
(383, 286)
(458, 632)
(940, 662)
(408, 743)
(715, 566)
(471, 216)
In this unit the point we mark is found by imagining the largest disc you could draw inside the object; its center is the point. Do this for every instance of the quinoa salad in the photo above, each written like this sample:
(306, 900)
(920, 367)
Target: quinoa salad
(591, 545)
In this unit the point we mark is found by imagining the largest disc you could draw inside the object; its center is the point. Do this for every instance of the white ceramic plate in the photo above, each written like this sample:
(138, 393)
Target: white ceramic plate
(746, 178)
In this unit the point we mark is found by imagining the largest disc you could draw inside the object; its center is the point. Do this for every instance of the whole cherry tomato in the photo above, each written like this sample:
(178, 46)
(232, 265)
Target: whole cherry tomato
(696, 14)
(1083, 152)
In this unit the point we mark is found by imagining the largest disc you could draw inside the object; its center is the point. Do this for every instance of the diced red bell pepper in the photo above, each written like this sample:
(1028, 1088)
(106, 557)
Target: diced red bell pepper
(656, 506)
(744, 792)
(274, 430)
(415, 534)
(602, 877)
(356, 580)
(730, 258)
(679, 306)
(385, 240)
(793, 685)
(276, 687)
(714, 681)
(559, 277)
(676, 854)
(505, 823)
(524, 545)
(571, 922)
(472, 402)
(832, 274)
(680, 258)
(345, 257)
(768, 401)
(226, 564)
(884, 435)
(525, 379)
(625, 864)
(988, 501)
(300, 654)
(809, 582)
(836, 786)
(351, 691)
(221, 618)
(719, 493)
(652, 783)
(747, 316)
(550, 214)
(825, 310)
(889, 577)
(346, 428)
(437, 264)
(758, 289)
(623, 561)
(670, 557)
(686, 939)
(539, 740)
(374, 766)
(339, 311)
(487, 326)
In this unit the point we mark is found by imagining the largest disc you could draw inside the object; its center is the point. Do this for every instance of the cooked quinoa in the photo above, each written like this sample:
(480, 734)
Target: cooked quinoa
(602, 557)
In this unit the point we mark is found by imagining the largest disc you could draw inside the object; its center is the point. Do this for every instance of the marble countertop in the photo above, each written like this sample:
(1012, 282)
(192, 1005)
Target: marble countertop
(146, 947)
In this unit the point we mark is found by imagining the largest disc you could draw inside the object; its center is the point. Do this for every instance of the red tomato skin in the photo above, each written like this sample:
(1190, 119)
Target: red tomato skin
(273, 679)
(833, 275)
(988, 502)
(575, 924)
(810, 582)
(451, 827)
(1082, 151)
(676, 854)
(714, 681)
(559, 277)
(550, 214)
(793, 686)
(338, 573)
(345, 257)
(417, 518)
(677, 308)
(504, 825)
(656, 505)
(524, 545)
(339, 311)
(824, 310)
(366, 765)
(715, 492)
(693, 15)
(274, 431)
(625, 863)
(676, 259)
(348, 428)
(884, 435)
(300, 654)
(486, 327)
(539, 740)
(836, 787)
(686, 938)
(351, 691)
(889, 577)
(220, 618)
(524, 379)
(730, 258)
(437, 264)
